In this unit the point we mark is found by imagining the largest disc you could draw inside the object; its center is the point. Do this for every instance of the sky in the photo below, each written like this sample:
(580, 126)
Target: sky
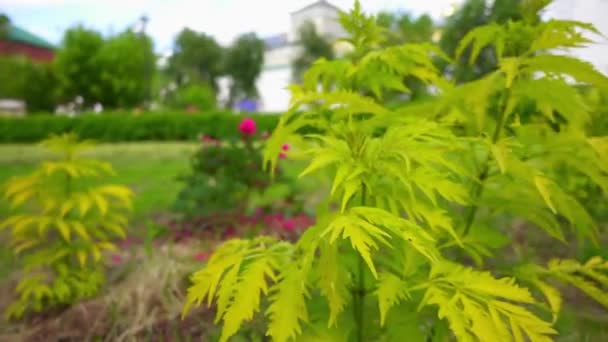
(223, 19)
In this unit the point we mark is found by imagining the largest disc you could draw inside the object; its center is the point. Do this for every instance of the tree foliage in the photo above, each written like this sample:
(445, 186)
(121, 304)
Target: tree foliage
(60, 227)
(33, 82)
(475, 13)
(313, 46)
(113, 71)
(78, 66)
(244, 62)
(405, 28)
(196, 56)
(414, 185)
(127, 61)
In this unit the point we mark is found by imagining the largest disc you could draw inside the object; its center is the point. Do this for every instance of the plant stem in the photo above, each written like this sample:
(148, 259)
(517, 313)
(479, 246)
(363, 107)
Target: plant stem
(359, 294)
(478, 187)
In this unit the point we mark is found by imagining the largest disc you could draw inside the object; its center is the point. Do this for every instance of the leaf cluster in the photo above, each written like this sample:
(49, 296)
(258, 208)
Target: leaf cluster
(60, 226)
(416, 186)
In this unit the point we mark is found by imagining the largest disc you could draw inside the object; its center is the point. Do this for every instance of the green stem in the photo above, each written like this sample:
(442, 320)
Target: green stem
(478, 187)
(68, 179)
(359, 293)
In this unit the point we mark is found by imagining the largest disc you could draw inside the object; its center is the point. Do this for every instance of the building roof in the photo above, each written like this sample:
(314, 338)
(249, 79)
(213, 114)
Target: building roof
(275, 41)
(18, 34)
(322, 3)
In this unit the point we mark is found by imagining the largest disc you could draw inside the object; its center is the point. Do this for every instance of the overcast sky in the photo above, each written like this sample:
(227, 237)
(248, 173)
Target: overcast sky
(224, 19)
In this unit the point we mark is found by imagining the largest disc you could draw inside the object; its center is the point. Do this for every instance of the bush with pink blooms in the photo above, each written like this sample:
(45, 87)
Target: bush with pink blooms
(223, 177)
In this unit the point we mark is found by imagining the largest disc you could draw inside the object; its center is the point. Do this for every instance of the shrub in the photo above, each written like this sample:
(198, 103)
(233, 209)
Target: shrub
(33, 82)
(199, 96)
(413, 194)
(60, 227)
(122, 127)
(224, 175)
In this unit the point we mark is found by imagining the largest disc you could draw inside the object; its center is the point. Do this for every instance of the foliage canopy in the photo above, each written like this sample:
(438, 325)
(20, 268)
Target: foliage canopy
(416, 186)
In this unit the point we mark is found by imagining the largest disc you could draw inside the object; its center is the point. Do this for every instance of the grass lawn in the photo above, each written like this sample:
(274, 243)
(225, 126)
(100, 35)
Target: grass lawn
(148, 168)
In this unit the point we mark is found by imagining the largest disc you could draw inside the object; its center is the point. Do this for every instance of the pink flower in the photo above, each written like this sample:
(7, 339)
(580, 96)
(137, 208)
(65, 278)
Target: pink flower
(230, 233)
(282, 155)
(116, 259)
(289, 225)
(285, 147)
(247, 126)
(201, 256)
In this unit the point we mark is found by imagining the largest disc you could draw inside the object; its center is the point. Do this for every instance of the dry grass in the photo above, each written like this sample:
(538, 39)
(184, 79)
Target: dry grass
(144, 300)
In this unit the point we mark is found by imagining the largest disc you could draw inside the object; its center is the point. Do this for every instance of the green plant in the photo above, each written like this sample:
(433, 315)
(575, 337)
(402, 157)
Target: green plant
(224, 176)
(416, 191)
(124, 126)
(33, 82)
(202, 97)
(59, 228)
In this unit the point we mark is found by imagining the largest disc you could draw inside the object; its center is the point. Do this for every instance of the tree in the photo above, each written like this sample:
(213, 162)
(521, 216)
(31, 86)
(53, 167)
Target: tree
(244, 61)
(4, 25)
(34, 83)
(475, 13)
(78, 65)
(313, 47)
(401, 29)
(196, 56)
(124, 62)
(404, 28)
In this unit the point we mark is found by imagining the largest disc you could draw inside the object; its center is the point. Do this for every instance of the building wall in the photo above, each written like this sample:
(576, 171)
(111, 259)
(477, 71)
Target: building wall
(325, 19)
(280, 57)
(592, 11)
(33, 52)
(272, 85)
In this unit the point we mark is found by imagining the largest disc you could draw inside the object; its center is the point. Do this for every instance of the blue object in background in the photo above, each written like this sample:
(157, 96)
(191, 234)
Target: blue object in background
(247, 105)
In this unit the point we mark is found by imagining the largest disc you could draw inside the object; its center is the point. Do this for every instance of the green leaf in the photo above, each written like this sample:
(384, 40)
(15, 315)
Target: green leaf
(586, 277)
(391, 290)
(288, 305)
(478, 305)
(500, 152)
(361, 234)
(334, 280)
(246, 294)
(582, 71)
(64, 229)
(481, 37)
(543, 185)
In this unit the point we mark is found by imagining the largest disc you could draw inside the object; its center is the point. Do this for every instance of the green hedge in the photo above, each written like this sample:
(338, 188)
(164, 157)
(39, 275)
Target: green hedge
(119, 127)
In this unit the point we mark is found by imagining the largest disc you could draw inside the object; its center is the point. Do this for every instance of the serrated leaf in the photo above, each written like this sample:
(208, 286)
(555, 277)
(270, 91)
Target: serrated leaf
(80, 229)
(288, 305)
(553, 297)
(246, 293)
(391, 290)
(101, 202)
(64, 229)
(333, 280)
(543, 185)
(500, 151)
(82, 257)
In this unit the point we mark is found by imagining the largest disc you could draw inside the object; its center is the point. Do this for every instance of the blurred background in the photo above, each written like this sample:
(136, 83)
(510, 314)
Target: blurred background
(99, 56)
(180, 96)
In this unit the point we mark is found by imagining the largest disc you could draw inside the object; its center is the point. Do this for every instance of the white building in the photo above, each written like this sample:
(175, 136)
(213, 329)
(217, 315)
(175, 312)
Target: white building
(283, 48)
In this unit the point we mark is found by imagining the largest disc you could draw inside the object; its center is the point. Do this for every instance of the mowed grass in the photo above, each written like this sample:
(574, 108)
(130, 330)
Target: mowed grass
(150, 169)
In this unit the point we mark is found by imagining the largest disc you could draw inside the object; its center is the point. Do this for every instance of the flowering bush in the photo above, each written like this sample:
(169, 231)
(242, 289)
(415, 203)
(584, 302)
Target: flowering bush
(248, 126)
(223, 176)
